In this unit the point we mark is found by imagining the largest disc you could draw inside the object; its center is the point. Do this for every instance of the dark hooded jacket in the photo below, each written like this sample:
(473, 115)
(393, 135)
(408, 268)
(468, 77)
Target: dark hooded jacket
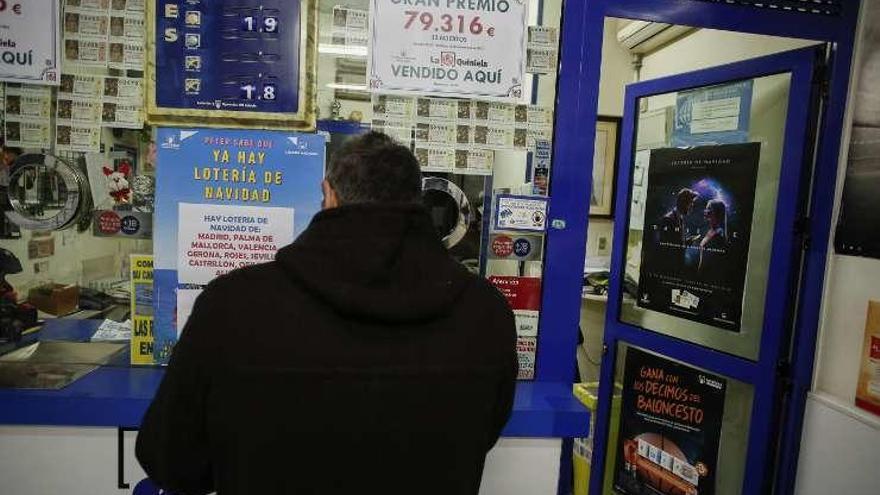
(362, 360)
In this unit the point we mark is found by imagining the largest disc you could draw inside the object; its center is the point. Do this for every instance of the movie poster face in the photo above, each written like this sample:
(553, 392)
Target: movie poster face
(698, 217)
(670, 427)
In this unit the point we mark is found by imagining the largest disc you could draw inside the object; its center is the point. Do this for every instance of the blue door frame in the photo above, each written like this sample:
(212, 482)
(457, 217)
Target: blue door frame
(762, 374)
(577, 110)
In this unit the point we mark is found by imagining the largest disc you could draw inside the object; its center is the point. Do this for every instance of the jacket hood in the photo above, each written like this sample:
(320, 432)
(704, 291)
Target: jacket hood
(376, 262)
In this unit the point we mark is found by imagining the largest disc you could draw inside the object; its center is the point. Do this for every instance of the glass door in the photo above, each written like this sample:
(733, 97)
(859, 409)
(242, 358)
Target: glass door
(711, 189)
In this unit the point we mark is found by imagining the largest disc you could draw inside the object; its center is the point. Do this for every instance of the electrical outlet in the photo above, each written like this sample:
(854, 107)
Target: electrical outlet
(603, 246)
(41, 267)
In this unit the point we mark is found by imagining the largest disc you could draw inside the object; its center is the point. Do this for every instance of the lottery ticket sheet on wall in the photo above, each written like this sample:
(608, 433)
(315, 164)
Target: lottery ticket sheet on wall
(241, 59)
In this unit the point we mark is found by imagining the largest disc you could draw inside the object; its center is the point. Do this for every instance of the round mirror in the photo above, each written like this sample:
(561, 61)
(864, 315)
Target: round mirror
(45, 192)
(449, 209)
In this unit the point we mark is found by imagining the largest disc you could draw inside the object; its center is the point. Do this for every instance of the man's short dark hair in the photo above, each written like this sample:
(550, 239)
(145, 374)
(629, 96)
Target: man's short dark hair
(373, 168)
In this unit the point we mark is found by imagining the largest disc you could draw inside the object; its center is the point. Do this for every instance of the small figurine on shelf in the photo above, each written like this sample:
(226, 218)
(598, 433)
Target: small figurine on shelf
(335, 108)
(117, 183)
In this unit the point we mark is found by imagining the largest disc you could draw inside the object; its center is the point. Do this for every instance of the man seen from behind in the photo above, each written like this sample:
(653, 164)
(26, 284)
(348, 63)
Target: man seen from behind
(364, 359)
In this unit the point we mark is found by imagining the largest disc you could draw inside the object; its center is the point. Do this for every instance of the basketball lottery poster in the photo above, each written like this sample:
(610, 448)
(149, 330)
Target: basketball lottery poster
(670, 427)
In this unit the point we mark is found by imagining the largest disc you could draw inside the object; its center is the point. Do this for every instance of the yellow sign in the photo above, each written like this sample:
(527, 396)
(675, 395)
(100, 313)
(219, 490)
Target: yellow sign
(142, 309)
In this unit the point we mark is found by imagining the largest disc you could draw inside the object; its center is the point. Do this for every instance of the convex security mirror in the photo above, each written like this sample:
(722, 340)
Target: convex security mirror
(449, 208)
(45, 192)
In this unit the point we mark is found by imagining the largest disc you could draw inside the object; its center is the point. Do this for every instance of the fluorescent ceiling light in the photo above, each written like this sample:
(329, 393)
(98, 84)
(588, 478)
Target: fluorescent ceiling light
(351, 51)
(348, 87)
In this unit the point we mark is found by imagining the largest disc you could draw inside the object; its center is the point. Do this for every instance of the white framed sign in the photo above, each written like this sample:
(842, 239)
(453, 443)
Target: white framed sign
(30, 41)
(523, 213)
(460, 48)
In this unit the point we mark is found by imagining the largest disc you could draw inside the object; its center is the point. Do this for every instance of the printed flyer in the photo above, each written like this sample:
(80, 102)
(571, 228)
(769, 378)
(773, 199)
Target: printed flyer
(225, 199)
(714, 115)
(448, 48)
(698, 221)
(525, 213)
(524, 296)
(30, 42)
(526, 349)
(868, 389)
(141, 309)
(670, 427)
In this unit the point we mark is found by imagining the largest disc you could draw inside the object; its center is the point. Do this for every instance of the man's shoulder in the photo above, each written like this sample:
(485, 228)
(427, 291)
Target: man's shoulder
(484, 295)
(248, 278)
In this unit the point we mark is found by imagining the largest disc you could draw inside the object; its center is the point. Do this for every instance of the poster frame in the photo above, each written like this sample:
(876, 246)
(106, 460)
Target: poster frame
(609, 185)
(763, 372)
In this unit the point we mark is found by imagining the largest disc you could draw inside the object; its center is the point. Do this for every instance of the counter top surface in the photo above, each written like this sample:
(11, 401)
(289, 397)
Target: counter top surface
(117, 395)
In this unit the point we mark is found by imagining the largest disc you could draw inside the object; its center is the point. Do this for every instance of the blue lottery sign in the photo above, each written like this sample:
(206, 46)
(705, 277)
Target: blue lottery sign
(231, 55)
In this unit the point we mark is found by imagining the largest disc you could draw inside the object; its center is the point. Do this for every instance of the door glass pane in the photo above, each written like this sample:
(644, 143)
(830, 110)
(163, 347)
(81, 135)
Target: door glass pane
(675, 428)
(485, 163)
(706, 177)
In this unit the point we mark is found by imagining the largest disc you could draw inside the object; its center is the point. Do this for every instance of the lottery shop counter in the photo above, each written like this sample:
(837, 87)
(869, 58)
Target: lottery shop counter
(117, 395)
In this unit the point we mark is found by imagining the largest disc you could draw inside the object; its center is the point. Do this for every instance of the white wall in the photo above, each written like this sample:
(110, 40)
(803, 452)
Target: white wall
(616, 73)
(83, 461)
(850, 283)
(706, 48)
(840, 444)
(840, 450)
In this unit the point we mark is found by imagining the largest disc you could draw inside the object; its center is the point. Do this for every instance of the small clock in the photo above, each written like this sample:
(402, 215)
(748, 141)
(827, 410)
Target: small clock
(46, 192)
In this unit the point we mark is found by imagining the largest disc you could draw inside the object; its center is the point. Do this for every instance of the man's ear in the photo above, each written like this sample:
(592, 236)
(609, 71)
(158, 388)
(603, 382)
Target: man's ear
(330, 198)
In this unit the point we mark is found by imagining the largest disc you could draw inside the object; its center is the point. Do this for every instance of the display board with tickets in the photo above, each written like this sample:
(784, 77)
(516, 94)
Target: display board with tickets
(241, 59)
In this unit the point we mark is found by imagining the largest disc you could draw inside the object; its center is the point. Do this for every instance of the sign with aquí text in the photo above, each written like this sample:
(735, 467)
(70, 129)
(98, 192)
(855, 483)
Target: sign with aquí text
(30, 41)
(460, 48)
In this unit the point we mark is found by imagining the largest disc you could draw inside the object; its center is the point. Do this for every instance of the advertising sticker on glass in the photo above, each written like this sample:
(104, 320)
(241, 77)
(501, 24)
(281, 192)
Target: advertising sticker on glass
(444, 48)
(30, 42)
(697, 226)
(670, 427)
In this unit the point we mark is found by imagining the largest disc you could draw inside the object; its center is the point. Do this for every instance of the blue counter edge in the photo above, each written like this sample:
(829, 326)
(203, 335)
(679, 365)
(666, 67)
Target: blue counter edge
(119, 396)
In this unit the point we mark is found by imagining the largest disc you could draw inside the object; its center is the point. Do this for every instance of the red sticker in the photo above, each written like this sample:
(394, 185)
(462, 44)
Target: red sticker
(502, 246)
(109, 222)
(520, 292)
(875, 347)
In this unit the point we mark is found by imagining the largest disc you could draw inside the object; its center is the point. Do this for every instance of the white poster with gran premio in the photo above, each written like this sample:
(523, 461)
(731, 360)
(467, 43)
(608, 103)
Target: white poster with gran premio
(457, 48)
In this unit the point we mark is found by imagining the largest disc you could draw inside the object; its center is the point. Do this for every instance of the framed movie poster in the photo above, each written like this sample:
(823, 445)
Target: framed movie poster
(604, 166)
(232, 63)
(670, 426)
(698, 219)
